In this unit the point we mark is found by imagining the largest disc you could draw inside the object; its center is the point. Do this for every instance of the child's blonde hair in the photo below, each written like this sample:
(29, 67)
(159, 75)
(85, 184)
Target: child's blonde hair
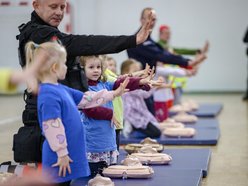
(55, 53)
(84, 59)
(109, 58)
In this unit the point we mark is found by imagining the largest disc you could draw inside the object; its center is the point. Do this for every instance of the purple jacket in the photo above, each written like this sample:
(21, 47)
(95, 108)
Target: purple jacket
(135, 109)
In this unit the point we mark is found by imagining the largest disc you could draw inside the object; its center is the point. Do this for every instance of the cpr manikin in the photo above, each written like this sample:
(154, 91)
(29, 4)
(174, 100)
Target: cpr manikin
(131, 168)
(149, 155)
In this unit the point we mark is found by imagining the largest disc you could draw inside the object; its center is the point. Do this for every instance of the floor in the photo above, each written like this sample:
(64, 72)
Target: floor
(229, 161)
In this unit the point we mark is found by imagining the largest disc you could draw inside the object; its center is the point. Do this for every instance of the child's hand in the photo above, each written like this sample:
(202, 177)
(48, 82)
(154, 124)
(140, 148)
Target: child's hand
(64, 165)
(161, 84)
(157, 83)
(147, 80)
(145, 73)
(115, 122)
(122, 88)
(142, 73)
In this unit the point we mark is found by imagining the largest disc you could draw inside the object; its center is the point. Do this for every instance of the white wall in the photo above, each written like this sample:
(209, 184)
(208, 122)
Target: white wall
(222, 22)
(10, 19)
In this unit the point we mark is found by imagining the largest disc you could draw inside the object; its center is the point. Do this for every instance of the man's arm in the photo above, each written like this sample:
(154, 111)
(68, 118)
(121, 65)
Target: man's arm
(78, 45)
(151, 53)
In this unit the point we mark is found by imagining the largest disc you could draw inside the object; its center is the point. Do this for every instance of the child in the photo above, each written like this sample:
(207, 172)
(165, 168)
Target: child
(110, 64)
(64, 156)
(111, 75)
(163, 97)
(100, 133)
(10, 79)
(135, 110)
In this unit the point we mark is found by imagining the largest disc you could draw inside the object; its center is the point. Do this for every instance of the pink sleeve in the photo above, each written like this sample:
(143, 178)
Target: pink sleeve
(54, 132)
(95, 99)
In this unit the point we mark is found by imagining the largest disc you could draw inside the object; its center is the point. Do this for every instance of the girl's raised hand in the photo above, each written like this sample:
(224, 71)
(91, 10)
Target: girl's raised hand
(142, 73)
(122, 88)
(147, 71)
(147, 79)
(64, 165)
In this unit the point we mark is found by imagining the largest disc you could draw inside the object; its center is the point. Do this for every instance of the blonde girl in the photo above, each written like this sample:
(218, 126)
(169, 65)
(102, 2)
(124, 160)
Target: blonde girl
(63, 153)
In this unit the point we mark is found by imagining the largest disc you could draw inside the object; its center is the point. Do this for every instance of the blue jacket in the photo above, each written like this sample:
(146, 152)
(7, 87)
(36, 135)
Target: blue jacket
(59, 101)
(150, 52)
(100, 135)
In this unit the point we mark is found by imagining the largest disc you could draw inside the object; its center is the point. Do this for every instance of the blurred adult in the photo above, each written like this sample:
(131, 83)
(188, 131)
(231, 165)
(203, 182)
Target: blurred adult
(150, 52)
(179, 83)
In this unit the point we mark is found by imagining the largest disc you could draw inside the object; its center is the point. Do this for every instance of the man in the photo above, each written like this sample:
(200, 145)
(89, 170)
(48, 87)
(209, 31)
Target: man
(45, 19)
(150, 52)
(245, 40)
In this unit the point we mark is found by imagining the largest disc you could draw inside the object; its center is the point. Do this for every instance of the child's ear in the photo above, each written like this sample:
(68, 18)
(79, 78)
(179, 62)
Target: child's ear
(54, 67)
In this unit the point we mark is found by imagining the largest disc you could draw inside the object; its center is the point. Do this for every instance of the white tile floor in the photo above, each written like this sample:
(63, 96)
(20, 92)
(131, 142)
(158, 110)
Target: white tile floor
(229, 161)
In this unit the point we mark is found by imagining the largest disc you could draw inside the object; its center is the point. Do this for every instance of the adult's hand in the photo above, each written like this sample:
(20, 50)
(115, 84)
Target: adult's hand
(198, 60)
(205, 48)
(145, 30)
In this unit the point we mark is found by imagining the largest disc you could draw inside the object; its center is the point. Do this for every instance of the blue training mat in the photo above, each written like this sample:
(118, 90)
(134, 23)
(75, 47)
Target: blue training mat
(203, 136)
(184, 159)
(161, 177)
(204, 123)
(206, 110)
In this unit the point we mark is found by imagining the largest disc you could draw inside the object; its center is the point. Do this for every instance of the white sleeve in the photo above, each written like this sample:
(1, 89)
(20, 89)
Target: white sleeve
(174, 71)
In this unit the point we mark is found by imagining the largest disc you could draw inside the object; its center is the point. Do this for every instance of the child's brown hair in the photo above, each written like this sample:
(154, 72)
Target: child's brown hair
(125, 66)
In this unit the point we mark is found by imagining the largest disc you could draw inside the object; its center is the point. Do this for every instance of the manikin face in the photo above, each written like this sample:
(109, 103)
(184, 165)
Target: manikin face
(93, 70)
(50, 11)
(111, 65)
(165, 35)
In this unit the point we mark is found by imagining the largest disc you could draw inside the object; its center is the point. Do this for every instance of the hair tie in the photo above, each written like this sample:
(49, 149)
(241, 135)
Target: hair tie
(36, 45)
